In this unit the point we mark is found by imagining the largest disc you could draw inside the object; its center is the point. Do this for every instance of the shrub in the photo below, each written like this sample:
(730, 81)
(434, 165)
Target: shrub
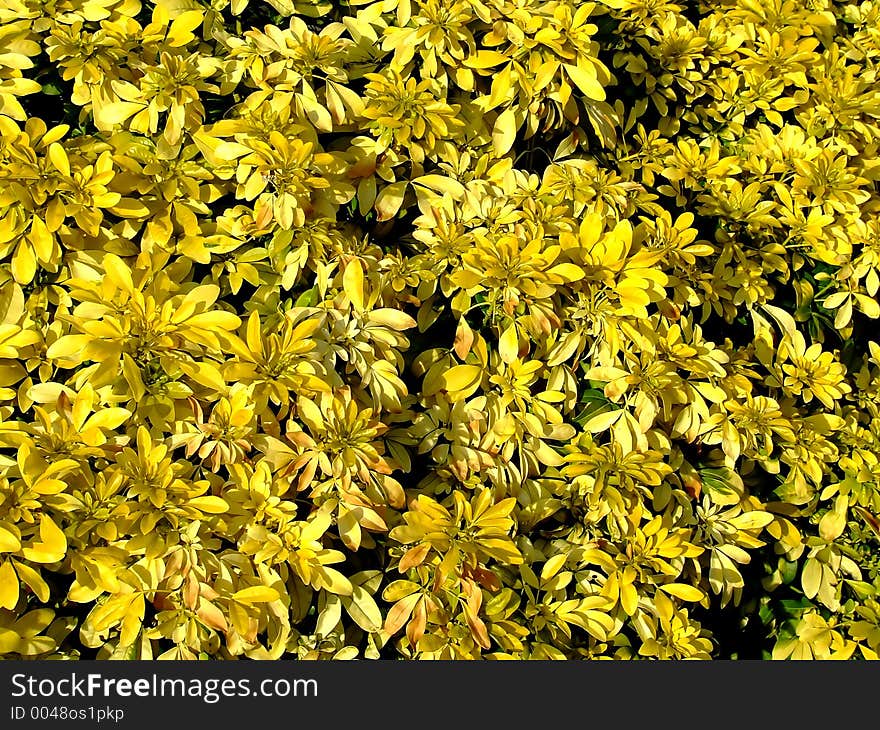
(420, 329)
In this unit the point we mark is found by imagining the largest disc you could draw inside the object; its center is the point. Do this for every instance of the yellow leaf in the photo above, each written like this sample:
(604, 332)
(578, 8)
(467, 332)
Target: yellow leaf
(180, 32)
(508, 344)
(485, 58)
(393, 318)
(256, 594)
(58, 158)
(317, 114)
(336, 582)
(109, 418)
(683, 591)
(204, 373)
(118, 272)
(9, 641)
(464, 339)
(253, 335)
(197, 299)
(504, 132)
(413, 557)
(603, 421)
(130, 208)
(69, 346)
(132, 622)
(41, 239)
(216, 319)
(48, 486)
(108, 116)
(869, 306)
(833, 522)
(461, 380)
(442, 185)
(553, 566)
(83, 594)
(586, 81)
(567, 272)
(629, 598)
(211, 616)
(228, 151)
(52, 545)
(752, 520)
(400, 612)
(33, 580)
(389, 200)
(15, 60)
(363, 609)
(24, 263)
(811, 577)
(8, 586)
(9, 542)
(501, 87)
(33, 622)
(132, 374)
(209, 505)
(398, 589)
(353, 284)
(477, 627)
(349, 529)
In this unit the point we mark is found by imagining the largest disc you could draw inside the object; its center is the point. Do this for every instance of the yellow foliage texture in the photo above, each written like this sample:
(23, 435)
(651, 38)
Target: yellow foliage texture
(428, 329)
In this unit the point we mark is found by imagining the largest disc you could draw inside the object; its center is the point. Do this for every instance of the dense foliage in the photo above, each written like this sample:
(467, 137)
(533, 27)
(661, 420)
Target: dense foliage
(439, 329)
